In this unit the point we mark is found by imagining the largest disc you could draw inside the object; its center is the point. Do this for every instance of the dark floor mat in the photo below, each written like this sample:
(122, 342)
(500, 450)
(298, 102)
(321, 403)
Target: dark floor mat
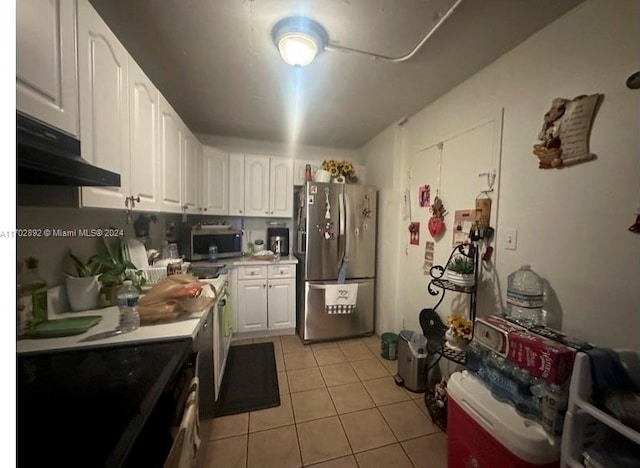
(250, 380)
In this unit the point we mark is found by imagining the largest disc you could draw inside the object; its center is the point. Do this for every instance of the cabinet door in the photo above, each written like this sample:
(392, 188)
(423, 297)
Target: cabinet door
(144, 111)
(104, 106)
(46, 78)
(236, 184)
(281, 188)
(215, 177)
(282, 303)
(252, 305)
(191, 171)
(170, 169)
(256, 186)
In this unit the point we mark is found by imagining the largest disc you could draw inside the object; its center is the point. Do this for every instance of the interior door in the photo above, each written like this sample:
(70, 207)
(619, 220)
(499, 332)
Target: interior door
(323, 223)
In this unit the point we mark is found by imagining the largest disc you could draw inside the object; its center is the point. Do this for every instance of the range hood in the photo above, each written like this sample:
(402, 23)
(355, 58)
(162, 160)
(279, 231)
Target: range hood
(47, 156)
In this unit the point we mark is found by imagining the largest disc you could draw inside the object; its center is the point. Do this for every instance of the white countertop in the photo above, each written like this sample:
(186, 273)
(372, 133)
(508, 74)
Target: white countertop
(290, 260)
(183, 328)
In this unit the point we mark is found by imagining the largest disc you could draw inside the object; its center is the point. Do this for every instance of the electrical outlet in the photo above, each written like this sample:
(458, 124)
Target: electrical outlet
(510, 239)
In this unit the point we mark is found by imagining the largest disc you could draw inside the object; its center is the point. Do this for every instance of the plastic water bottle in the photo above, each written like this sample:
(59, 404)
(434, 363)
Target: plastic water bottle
(128, 304)
(213, 253)
(525, 296)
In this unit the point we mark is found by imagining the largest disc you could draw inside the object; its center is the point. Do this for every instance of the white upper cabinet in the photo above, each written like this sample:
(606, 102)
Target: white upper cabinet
(104, 106)
(256, 185)
(170, 167)
(236, 184)
(281, 188)
(215, 181)
(268, 189)
(46, 73)
(144, 112)
(190, 172)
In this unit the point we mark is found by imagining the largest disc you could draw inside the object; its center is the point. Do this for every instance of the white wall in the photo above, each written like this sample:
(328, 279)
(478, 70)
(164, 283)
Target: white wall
(572, 223)
(242, 145)
(53, 251)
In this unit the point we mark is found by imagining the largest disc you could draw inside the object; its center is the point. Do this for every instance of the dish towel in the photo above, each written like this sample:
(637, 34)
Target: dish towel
(226, 315)
(340, 298)
(186, 443)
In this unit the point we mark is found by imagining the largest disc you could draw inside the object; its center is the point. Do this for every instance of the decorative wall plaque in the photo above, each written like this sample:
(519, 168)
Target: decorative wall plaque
(565, 132)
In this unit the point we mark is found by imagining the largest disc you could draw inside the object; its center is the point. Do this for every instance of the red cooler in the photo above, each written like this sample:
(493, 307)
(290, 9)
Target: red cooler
(483, 432)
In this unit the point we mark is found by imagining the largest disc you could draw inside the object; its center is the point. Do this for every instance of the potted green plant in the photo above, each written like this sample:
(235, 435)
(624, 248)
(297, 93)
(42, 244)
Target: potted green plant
(83, 286)
(461, 271)
(114, 269)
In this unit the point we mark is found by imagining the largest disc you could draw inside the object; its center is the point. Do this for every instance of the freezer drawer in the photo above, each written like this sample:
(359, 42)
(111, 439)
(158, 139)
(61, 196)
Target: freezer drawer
(315, 324)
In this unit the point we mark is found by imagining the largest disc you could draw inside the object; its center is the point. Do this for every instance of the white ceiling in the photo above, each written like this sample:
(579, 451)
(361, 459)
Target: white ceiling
(216, 64)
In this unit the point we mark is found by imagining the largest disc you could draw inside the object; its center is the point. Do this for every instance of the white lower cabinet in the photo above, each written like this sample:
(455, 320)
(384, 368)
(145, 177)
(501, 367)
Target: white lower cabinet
(281, 298)
(265, 297)
(252, 305)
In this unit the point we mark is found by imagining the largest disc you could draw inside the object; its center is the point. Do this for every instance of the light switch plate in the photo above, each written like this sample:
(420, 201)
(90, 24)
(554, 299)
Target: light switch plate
(510, 238)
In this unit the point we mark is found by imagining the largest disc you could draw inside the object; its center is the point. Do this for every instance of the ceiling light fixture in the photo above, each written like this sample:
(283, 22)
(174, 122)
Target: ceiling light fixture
(299, 39)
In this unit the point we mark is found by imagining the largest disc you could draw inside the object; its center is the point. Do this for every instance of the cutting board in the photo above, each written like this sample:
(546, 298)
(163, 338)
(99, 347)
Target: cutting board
(64, 327)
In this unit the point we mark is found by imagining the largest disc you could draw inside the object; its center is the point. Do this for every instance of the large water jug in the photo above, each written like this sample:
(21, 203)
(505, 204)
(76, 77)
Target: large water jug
(525, 296)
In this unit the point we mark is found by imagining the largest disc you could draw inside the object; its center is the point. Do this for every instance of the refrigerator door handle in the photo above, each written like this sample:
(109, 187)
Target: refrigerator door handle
(322, 286)
(341, 229)
(347, 212)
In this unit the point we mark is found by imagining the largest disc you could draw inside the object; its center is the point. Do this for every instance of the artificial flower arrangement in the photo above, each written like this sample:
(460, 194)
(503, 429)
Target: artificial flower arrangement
(460, 326)
(340, 168)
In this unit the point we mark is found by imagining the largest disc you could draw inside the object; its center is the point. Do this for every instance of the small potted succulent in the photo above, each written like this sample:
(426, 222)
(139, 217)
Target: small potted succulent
(461, 271)
(83, 285)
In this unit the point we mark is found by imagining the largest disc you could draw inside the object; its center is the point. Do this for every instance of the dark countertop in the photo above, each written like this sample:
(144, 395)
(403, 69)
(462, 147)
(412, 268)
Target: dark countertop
(87, 407)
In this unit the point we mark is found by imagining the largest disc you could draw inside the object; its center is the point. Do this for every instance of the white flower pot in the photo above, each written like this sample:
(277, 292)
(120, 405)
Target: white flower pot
(454, 341)
(460, 279)
(83, 292)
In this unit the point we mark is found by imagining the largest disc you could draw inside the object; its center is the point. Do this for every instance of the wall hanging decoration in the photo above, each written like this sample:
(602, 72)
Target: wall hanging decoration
(436, 222)
(406, 205)
(565, 132)
(464, 221)
(414, 233)
(428, 257)
(424, 196)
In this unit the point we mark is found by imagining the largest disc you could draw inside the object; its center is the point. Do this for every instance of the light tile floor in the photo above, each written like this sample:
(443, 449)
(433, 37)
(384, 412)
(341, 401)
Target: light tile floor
(340, 407)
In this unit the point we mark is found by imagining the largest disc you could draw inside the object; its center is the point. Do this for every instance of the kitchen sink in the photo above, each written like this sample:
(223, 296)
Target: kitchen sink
(207, 270)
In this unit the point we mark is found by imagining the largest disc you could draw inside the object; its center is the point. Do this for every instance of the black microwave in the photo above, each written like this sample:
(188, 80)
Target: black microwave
(195, 242)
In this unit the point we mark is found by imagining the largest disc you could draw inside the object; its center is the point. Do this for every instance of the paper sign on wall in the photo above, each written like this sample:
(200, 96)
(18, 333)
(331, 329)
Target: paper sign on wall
(428, 257)
(462, 225)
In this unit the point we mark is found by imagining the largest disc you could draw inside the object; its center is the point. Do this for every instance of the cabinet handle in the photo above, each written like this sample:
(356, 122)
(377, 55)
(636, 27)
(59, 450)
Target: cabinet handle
(240, 211)
(271, 285)
(266, 212)
(205, 209)
(264, 285)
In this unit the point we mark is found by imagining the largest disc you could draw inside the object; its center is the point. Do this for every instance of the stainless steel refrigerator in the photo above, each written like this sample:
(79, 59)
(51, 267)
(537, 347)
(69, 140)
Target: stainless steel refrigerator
(335, 243)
